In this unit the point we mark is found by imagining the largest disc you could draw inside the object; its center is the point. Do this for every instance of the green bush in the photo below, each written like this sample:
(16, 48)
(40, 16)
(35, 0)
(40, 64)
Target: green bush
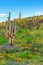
(25, 54)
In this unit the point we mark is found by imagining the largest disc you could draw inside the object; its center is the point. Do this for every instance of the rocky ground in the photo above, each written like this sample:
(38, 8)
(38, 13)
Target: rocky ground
(9, 56)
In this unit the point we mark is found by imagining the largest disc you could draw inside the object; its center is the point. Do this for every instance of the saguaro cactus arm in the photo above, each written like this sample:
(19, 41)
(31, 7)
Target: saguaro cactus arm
(7, 28)
(14, 28)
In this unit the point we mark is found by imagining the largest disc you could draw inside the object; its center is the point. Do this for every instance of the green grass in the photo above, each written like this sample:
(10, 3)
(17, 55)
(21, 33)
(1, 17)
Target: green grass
(29, 42)
(3, 40)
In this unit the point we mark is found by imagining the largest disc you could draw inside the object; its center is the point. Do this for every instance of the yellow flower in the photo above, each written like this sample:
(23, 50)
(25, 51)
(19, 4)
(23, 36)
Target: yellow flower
(35, 48)
(3, 61)
(19, 59)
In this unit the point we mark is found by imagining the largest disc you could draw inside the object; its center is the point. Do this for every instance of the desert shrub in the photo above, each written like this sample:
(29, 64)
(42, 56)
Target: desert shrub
(36, 56)
(25, 54)
(36, 48)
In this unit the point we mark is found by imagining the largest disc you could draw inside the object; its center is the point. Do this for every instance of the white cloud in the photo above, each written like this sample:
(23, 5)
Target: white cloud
(38, 13)
(3, 14)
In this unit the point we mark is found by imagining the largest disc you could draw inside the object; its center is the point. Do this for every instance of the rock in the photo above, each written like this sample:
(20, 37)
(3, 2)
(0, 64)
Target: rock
(9, 48)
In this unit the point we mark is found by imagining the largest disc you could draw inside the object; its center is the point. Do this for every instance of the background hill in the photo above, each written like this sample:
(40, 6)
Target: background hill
(30, 28)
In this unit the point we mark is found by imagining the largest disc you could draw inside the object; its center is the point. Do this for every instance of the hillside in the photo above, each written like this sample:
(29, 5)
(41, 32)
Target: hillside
(28, 39)
(25, 26)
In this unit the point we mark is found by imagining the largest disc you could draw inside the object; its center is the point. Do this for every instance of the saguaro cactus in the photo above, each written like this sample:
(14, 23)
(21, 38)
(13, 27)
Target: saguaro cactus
(10, 30)
(19, 15)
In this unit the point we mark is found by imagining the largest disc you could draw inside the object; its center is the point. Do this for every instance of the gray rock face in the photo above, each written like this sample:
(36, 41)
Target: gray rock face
(9, 48)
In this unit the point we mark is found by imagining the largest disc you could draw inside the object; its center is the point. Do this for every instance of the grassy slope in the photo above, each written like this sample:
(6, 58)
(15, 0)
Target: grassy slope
(30, 42)
(23, 33)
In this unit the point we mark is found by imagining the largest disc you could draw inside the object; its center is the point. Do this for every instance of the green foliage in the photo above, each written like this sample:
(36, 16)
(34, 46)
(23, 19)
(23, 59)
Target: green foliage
(25, 54)
(28, 39)
(36, 56)
(3, 40)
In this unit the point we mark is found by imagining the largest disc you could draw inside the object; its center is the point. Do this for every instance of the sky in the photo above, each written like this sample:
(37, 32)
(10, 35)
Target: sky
(26, 7)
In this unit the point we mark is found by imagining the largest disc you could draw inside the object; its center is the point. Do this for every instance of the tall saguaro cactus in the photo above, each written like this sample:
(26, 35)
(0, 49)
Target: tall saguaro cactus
(10, 30)
(19, 15)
